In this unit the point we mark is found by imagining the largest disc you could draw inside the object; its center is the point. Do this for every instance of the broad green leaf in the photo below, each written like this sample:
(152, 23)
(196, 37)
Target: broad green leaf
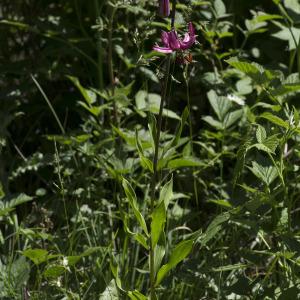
(232, 118)
(211, 121)
(179, 253)
(220, 8)
(220, 105)
(110, 292)
(54, 271)
(133, 203)
(247, 68)
(38, 256)
(266, 173)
(274, 119)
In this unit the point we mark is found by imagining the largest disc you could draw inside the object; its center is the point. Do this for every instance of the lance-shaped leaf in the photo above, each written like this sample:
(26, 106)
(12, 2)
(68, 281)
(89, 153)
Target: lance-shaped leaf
(146, 162)
(130, 194)
(180, 252)
(160, 212)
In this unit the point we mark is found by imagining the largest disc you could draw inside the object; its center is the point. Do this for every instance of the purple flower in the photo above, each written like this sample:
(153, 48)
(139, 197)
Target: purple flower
(171, 41)
(164, 8)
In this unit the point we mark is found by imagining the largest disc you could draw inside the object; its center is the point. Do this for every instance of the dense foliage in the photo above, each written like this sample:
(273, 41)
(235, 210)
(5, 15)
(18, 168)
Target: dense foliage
(83, 206)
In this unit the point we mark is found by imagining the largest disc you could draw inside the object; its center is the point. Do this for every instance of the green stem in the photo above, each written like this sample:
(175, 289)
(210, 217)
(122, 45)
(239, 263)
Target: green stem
(154, 176)
(110, 60)
(191, 129)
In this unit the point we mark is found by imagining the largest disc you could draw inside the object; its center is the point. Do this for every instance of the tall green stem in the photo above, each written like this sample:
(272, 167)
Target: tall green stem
(154, 176)
(155, 158)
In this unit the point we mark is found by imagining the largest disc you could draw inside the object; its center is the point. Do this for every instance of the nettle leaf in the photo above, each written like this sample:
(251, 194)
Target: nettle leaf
(131, 196)
(232, 118)
(220, 104)
(211, 121)
(266, 173)
(214, 227)
(261, 134)
(275, 120)
(285, 89)
(179, 253)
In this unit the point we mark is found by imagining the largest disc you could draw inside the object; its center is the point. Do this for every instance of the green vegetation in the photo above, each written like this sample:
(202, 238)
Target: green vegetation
(127, 173)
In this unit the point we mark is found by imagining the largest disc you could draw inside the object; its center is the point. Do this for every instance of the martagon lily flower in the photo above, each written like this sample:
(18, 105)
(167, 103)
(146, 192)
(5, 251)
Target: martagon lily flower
(171, 41)
(164, 8)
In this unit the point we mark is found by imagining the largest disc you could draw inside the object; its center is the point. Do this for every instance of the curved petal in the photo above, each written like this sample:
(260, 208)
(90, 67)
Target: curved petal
(162, 49)
(191, 29)
(173, 40)
(165, 39)
(188, 44)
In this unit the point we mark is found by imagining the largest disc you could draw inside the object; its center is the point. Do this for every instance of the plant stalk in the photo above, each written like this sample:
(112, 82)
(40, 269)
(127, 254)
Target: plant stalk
(155, 158)
(154, 176)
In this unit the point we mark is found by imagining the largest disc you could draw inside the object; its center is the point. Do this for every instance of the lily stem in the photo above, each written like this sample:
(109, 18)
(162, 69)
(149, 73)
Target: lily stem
(155, 173)
(164, 91)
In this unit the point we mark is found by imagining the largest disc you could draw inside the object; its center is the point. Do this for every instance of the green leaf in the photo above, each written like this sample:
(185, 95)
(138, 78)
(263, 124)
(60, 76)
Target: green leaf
(261, 134)
(54, 271)
(232, 118)
(220, 105)
(185, 162)
(211, 121)
(275, 120)
(266, 173)
(110, 292)
(9, 203)
(166, 193)
(179, 253)
(133, 203)
(114, 267)
(159, 253)
(214, 227)
(160, 212)
(37, 256)
(137, 236)
(146, 162)
(158, 223)
(230, 267)
(88, 95)
(136, 295)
